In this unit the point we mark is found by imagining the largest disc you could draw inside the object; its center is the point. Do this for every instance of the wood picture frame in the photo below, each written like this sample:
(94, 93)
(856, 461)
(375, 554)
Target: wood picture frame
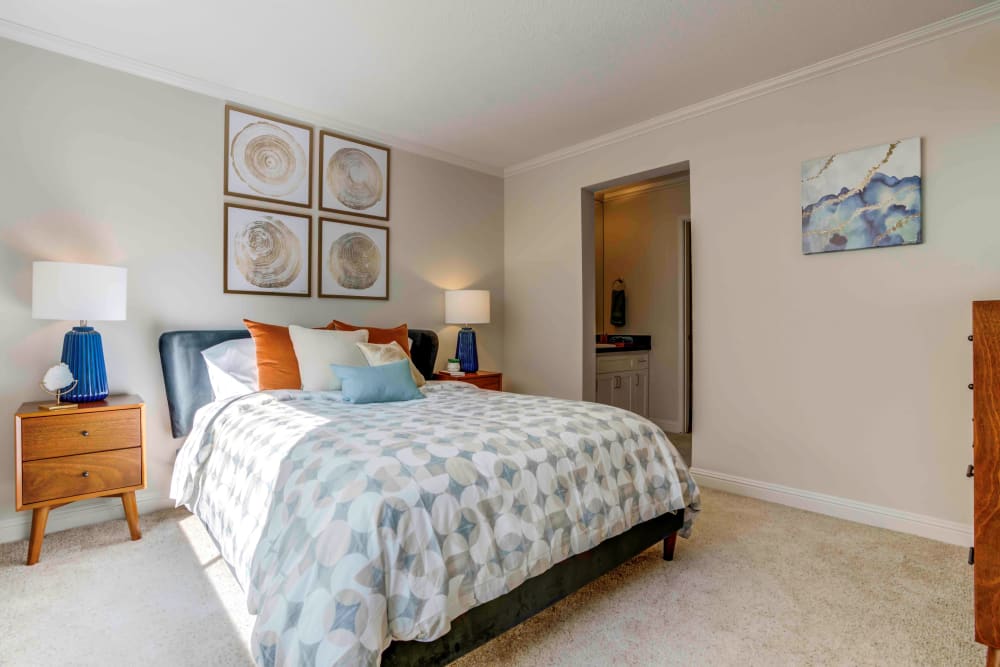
(278, 142)
(365, 198)
(256, 277)
(356, 239)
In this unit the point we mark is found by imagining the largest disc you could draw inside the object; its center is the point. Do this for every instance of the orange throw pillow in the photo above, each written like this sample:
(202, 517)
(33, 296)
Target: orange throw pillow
(377, 336)
(277, 365)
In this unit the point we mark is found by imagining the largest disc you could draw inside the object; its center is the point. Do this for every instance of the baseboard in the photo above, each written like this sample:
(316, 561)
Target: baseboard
(942, 530)
(668, 426)
(78, 514)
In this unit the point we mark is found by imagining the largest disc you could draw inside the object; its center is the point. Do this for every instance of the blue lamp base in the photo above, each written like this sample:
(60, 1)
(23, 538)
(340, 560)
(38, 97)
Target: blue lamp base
(465, 350)
(84, 354)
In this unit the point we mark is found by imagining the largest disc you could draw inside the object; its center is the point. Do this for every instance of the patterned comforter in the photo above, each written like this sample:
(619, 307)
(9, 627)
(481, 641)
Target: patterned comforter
(350, 526)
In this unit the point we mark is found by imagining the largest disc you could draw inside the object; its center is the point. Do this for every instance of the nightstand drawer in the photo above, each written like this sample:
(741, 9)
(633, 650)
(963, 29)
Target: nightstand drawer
(63, 435)
(52, 479)
(492, 383)
(492, 380)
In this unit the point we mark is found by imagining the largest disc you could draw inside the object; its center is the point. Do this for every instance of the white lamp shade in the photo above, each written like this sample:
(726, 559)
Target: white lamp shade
(467, 306)
(64, 291)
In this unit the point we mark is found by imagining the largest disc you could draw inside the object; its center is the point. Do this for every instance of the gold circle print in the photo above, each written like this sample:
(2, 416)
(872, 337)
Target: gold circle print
(355, 261)
(354, 178)
(268, 159)
(267, 253)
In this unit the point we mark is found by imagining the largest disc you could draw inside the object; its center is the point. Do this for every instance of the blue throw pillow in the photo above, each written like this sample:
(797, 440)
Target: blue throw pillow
(377, 384)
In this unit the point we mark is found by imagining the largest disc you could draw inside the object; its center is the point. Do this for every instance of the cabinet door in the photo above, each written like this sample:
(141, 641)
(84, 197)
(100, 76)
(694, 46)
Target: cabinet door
(605, 388)
(639, 395)
(621, 390)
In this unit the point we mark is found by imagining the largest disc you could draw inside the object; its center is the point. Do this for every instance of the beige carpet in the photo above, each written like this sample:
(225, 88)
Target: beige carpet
(758, 584)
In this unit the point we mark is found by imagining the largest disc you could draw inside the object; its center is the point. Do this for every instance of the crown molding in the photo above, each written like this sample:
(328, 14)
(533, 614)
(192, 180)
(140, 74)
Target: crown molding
(943, 28)
(50, 42)
(74, 49)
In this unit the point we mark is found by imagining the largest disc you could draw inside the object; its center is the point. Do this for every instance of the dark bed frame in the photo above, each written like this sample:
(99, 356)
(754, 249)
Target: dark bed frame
(186, 380)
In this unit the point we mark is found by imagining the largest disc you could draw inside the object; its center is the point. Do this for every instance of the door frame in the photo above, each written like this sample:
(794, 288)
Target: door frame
(686, 338)
(588, 366)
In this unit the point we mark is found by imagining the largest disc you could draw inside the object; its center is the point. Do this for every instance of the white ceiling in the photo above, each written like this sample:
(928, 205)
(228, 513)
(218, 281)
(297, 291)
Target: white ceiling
(493, 82)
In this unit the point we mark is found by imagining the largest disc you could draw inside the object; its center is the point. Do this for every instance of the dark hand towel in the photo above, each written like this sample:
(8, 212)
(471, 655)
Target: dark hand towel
(618, 307)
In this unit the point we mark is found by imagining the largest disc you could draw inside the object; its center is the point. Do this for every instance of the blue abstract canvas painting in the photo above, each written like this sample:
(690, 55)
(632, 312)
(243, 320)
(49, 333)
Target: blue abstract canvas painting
(868, 198)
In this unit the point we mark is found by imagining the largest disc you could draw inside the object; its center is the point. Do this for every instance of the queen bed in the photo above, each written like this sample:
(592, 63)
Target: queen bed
(412, 532)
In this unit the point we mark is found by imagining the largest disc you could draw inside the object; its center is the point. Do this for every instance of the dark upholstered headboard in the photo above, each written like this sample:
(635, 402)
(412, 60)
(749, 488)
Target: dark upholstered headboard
(186, 377)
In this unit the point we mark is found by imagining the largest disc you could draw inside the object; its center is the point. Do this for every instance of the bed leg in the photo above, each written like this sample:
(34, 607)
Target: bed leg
(669, 542)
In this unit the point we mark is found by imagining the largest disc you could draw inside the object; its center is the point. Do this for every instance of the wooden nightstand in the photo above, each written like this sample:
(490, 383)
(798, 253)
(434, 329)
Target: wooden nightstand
(62, 456)
(482, 379)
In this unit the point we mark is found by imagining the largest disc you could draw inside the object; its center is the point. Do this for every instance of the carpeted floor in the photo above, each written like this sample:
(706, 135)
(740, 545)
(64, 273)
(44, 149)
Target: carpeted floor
(758, 584)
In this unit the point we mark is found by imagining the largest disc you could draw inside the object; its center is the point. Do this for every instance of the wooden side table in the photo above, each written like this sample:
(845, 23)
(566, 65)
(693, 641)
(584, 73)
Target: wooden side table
(482, 379)
(61, 456)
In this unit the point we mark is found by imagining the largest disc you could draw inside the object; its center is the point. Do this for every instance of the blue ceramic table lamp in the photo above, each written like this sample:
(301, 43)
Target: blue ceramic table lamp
(467, 306)
(64, 291)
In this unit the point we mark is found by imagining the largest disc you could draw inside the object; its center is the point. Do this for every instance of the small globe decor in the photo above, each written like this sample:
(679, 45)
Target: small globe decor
(58, 381)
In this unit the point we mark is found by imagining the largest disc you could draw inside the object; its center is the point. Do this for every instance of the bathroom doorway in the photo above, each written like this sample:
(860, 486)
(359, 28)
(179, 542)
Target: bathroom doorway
(636, 234)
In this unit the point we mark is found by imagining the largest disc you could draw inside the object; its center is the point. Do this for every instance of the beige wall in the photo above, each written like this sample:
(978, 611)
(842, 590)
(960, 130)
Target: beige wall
(841, 374)
(643, 246)
(104, 167)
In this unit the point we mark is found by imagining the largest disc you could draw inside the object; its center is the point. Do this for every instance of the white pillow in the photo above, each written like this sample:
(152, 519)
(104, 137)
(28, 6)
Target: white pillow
(316, 349)
(232, 368)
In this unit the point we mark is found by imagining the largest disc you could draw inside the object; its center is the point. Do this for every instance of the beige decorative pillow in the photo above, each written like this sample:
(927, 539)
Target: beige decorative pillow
(316, 349)
(378, 355)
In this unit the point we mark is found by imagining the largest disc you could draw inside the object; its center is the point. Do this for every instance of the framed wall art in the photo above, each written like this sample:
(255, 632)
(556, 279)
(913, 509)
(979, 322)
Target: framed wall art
(868, 198)
(268, 158)
(354, 177)
(353, 260)
(266, 252)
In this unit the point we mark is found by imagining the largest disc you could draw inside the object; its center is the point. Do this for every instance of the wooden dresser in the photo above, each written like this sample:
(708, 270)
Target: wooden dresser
(62, 456)
(986, 473)
(482, 379)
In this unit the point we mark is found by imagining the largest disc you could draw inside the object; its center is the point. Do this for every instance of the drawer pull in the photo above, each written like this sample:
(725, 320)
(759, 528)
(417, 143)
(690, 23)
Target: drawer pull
(85, 433)
(970, 338)
(86, 473)
(970, 470)
(970, 385)
(972, 555)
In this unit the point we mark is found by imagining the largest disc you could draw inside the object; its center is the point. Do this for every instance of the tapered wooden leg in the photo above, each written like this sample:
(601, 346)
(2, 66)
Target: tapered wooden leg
(39, 517)
(131, 514)
(668, 546)
(992, 657)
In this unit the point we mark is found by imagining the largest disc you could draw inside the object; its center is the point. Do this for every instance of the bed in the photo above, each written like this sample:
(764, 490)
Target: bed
(411, 533)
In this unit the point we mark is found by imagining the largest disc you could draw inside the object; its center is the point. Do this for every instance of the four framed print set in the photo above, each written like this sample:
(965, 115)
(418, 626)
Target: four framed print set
(269, 251)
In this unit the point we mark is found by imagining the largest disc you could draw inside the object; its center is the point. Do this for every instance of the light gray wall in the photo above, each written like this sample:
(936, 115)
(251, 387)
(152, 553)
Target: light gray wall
(840, 374)
(643, 246)
(104, 167)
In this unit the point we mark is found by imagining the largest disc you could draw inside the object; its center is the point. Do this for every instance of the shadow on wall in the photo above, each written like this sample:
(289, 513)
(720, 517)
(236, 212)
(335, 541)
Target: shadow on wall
(63, 236)
(53, 235)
